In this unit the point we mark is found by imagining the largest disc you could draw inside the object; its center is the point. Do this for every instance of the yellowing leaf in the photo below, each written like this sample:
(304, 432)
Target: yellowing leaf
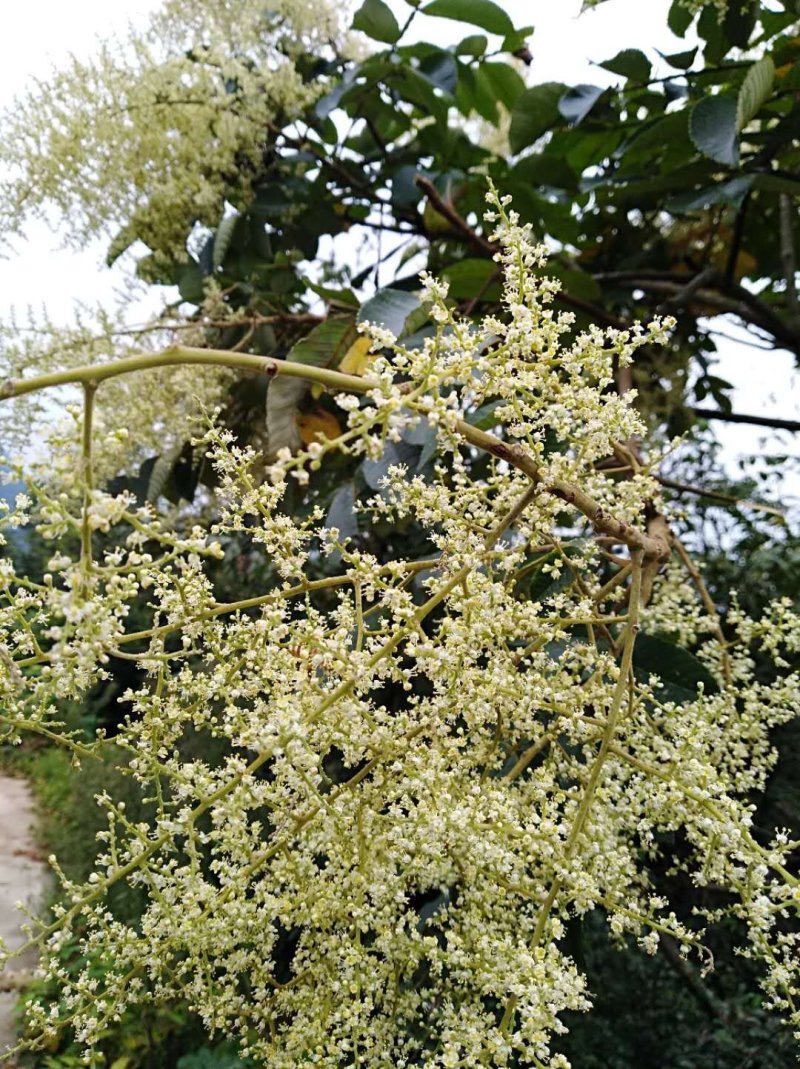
(316, 425)
(358, 358)
(434, 222)
(121, 1063)
(745, 264)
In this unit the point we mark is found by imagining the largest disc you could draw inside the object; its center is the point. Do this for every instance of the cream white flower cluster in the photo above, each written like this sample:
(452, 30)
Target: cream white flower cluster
(150, 136)
(429, 767)
(131, 430)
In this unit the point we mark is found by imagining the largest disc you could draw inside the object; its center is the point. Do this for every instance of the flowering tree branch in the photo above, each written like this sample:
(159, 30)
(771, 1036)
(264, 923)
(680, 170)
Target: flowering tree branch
(92, 376)
(495, 728)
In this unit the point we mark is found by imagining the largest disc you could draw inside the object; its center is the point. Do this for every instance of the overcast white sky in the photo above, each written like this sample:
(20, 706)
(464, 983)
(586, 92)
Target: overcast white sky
(38, 35)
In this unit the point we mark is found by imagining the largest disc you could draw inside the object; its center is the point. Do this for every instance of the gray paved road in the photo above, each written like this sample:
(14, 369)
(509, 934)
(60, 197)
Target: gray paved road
(23, 878)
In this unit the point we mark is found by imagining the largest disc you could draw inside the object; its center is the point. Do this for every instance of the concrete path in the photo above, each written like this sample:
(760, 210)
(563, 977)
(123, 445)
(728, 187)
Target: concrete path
(23, 878)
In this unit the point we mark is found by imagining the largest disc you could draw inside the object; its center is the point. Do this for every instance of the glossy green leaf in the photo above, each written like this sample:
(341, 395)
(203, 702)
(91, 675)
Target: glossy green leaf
(517, 40)
(418, 90)
(674, 665)
(474, 45)
(484, 13)
(712, 128)
(335, 297)
(535, 112)
(542, 169)
(484, 418)
(576, 283)
(375, 19)
(505, 83)
(631, 63)
(577, 102)
(731, 193)
(472, 278)
(755, 90)
(441, 69)
(535, 579)
(389, 308)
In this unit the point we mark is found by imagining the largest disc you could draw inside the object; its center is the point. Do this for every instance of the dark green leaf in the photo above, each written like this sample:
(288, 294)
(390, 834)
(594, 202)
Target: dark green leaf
(222, 1057)
(405, 191)
(681, 60)
(484, 417)
(342, 512)
(190, 283)
(709, 28)
(545, 170)
(537, 584)
(402, 452)
(389, 308)
(739, 23)
(576, 283)
(535, 112)
(675, 91)
(472, 278)
(375, 19)
(517, 40)
(484, 13)
(375, 471)
(482, 97)
(712, 128)
(732, 192)
(441, 69)
(777, 183)
(418, 90)
(680, 17)
(577, 102)
(676, 666)
(630, 63)
(507, 85)
(474, 45)
(328, 103)
(340, 297)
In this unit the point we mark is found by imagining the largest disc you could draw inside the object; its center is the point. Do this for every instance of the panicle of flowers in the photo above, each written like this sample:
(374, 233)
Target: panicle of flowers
(141, 141)
(426, 768)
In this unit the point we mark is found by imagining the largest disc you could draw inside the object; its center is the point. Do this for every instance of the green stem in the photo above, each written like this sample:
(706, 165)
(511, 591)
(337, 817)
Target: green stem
(596, 772)
(516, 455)
(89, 390)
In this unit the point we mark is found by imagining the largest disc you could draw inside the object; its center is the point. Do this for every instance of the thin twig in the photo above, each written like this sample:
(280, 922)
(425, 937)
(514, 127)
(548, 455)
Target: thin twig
(788, 258)
(739, 417)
